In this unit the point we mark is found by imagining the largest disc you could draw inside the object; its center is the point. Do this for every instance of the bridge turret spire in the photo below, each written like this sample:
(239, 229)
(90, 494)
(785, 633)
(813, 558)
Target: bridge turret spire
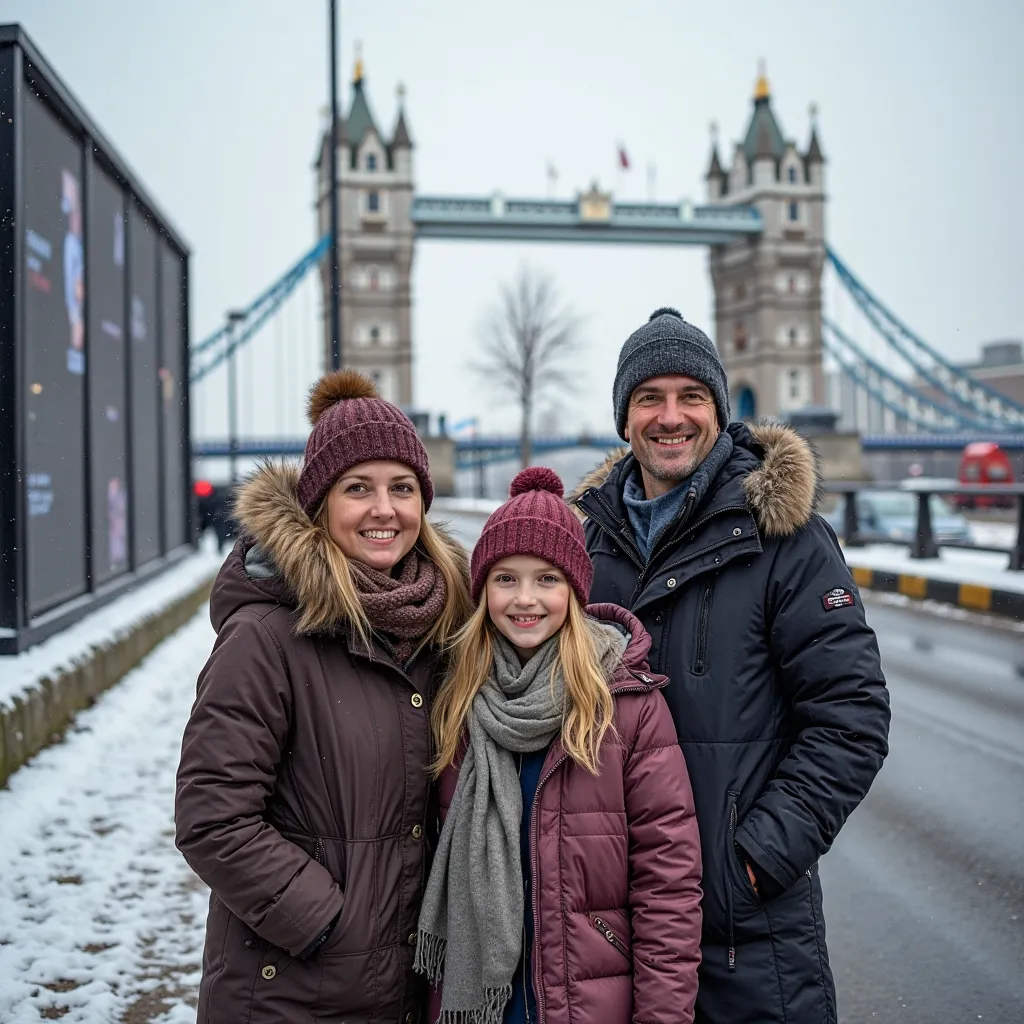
(762, 91)
(715, 176)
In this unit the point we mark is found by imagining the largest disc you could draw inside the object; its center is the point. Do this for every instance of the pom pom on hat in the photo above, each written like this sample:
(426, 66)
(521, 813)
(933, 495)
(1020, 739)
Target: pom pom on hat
(337, 387)
(536, 478)
(662, 310)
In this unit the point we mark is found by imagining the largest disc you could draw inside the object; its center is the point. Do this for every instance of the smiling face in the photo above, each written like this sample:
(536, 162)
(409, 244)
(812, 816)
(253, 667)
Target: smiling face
(528, 601)
(374, 513)
(671, 426)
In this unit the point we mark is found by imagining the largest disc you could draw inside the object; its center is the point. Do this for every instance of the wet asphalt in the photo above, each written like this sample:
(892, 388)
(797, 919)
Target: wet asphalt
(924, 887)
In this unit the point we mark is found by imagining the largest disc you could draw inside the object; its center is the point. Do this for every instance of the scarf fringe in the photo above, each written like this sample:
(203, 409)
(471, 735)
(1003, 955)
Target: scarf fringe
(491, 1012)
(430, 951)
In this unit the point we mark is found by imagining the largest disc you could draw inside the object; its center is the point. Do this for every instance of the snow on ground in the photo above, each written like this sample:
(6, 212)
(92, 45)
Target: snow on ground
(61, 651)
(101, 920)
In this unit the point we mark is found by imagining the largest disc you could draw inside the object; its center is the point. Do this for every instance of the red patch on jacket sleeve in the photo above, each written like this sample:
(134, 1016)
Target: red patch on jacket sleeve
(837, 597)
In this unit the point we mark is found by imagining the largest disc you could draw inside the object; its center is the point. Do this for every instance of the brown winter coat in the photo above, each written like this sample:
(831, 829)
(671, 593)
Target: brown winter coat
(302, 790)
(616, 864)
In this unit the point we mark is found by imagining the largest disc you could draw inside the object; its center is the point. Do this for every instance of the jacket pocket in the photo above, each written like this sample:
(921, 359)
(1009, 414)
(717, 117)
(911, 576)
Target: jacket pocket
(605, 929)
(700, 646)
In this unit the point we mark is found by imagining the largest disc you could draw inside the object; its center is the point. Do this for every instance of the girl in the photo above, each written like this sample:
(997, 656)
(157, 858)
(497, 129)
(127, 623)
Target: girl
(566, 883)
(302, 791)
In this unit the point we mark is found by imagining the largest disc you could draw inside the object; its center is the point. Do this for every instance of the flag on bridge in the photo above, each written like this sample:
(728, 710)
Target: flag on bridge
(623, 157)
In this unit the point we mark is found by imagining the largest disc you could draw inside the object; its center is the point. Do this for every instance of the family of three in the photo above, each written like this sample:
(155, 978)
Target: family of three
(586, 777)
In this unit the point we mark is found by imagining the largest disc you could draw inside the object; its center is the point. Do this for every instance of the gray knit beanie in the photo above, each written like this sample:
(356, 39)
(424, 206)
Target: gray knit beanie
(668, 344)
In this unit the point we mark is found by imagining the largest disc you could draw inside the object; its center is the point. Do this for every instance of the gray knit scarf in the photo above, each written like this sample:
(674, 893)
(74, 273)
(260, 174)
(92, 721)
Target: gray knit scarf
(471, 921)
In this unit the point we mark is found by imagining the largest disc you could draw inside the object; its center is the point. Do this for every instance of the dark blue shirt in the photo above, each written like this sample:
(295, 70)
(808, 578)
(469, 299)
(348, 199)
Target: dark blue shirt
(523, 998)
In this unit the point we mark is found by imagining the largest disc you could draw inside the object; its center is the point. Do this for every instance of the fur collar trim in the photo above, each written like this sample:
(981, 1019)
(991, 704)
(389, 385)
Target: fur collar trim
(781, 492)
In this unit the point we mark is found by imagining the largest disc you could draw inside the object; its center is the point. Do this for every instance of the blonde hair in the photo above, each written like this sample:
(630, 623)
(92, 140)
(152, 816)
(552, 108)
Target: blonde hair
(588, 701)
(431, 542)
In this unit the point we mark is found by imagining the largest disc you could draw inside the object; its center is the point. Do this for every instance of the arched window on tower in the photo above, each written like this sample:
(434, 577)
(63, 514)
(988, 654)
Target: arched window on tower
(794, 213)
(374, 333)
(371, 161)
(373, 276)
(373, 202)
(795, 389)
(792, 175)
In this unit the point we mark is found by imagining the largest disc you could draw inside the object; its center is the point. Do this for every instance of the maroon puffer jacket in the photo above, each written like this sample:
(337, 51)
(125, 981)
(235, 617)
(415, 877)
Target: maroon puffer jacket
(616, 864)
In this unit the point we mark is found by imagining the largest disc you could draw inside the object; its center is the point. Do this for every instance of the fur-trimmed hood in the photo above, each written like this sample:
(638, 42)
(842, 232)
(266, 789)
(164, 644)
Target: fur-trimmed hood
(781, 489)
(282, 555)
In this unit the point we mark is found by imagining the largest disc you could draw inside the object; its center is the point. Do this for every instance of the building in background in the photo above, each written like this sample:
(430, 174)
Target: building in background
(768, 288)
(375, 205)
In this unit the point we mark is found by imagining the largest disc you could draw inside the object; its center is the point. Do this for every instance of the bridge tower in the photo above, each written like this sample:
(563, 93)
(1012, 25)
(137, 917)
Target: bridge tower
(375, 191)
(768, 288)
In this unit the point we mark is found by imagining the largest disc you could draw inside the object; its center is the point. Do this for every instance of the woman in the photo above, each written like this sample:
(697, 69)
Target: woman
(566, 884)
(302, 790)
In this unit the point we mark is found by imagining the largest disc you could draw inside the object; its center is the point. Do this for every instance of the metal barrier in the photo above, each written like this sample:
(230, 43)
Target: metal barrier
(924, 543)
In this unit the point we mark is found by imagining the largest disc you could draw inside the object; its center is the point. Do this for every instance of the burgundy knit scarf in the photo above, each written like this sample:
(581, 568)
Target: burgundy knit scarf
(402, 607)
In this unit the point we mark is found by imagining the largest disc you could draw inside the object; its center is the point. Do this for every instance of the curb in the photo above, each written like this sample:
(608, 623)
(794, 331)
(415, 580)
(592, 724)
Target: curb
(972, 596)
(41, 715)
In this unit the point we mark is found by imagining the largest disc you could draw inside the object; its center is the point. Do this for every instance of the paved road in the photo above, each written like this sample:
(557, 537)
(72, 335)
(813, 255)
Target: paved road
(924, 889)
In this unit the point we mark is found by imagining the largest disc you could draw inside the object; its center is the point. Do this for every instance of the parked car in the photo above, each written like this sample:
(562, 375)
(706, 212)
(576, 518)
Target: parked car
(892, 516)
(984, 462)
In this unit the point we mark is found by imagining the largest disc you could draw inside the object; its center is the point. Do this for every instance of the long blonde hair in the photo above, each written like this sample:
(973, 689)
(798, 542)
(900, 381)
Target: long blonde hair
(588, 701)
(448, 558)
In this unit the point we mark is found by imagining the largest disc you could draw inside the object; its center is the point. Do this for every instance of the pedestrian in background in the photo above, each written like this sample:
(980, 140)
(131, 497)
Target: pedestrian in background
(566, 884)
(302, 794)
(706, 531)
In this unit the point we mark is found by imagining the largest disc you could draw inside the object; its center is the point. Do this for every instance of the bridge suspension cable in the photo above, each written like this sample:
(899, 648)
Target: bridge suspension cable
(891, 391)
(259, 311)
(976, 399)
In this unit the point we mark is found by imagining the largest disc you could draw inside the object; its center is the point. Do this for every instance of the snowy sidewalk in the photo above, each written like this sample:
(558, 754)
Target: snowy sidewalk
(101, 921)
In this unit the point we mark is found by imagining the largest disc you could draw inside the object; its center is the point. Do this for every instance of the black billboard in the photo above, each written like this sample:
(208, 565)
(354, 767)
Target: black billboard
(108, 415)
(145, 424)
(172, 397)
(52, 225)
(94, 434)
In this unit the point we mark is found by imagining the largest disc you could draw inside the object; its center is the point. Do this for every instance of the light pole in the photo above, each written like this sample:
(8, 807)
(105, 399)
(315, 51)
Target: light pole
(234, 318)
(335, 241)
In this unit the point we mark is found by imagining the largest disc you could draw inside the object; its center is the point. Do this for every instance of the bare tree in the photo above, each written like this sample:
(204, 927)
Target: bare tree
(527, 338)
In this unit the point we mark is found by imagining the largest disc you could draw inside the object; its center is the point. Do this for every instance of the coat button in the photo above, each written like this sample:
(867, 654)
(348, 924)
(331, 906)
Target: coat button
(417, 700)
(248, 943)
(658, 618)
(718, 559)
(672, 582)
(417, 831)
(412, 939)
(409, 1018)
(737, 532)
(269, 972)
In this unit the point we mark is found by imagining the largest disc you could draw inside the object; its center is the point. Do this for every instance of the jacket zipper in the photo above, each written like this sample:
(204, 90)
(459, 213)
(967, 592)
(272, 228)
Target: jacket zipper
(538, 990)
(602, 927)
(320, 852)
(731, 852)
(702, 631)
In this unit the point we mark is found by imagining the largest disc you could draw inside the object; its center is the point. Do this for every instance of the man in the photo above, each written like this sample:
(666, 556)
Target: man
(706, 530)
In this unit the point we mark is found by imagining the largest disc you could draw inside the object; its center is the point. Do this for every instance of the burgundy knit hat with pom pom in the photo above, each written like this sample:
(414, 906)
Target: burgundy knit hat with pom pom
(535, 521)
(353, 424)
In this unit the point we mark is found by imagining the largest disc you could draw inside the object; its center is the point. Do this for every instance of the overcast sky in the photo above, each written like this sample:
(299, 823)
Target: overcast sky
(217, 106)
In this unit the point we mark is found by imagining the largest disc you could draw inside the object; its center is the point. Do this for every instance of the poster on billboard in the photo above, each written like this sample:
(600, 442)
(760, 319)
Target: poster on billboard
(145, 430)
(53, 343)
(172, 398)
(108, 462)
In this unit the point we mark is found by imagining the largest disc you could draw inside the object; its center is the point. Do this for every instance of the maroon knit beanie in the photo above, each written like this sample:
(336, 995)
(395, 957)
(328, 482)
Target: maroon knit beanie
(353, 424)
(535, 521)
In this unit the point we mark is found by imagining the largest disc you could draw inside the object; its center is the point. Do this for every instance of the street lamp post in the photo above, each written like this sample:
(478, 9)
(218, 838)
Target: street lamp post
(235, 317)
(335, 241)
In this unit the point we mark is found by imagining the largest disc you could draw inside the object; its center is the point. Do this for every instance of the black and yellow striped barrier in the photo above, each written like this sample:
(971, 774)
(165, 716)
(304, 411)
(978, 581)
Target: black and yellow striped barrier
(974, 596)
